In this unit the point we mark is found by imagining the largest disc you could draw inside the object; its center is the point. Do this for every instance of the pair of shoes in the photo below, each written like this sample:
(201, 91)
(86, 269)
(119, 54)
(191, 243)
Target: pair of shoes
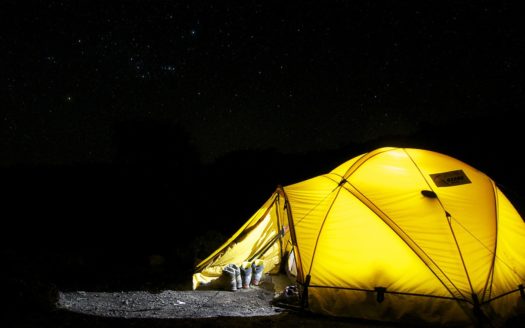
(251, 273)
(232, 277)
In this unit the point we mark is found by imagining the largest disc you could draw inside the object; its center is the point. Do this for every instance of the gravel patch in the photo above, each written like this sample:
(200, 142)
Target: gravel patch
(170, 303)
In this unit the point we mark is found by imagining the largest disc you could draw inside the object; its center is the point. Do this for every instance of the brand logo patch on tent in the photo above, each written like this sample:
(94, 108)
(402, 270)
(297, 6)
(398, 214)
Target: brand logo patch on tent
(451, 178)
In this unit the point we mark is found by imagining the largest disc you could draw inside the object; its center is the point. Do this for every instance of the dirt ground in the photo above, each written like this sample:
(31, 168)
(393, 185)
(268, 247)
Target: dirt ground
(258, 306)
(243, 308)
(254, 306)
(171, 304)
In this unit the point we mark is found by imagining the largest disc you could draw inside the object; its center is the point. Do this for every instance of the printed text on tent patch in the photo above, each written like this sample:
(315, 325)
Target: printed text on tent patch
(451, 178)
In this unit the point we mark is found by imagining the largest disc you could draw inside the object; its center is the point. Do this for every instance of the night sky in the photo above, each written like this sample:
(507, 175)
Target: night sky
(132, 128)
(252, 75)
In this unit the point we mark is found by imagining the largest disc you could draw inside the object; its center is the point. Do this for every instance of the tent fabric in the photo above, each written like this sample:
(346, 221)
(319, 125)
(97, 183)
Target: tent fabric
(258, 238)
(393, 234)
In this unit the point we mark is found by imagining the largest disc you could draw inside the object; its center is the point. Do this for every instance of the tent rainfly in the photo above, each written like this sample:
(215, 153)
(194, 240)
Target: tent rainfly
(394, 234)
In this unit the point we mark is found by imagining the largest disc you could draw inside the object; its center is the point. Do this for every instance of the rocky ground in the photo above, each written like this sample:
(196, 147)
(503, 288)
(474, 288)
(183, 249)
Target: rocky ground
(265, 305)
(171, 304)
(258, 306)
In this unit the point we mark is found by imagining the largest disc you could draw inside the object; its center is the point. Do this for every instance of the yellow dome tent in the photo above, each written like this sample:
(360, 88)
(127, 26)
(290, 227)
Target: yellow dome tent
(394, 234)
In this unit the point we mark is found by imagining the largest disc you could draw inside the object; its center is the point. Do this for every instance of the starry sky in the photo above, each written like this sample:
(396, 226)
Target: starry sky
(105, 103)
(249, 75)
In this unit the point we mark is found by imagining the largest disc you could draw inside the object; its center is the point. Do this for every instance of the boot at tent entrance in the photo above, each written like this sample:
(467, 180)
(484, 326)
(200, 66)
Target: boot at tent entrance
(395, 234)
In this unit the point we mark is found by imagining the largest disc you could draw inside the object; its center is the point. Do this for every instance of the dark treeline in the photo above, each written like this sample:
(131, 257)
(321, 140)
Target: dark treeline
(145, 219)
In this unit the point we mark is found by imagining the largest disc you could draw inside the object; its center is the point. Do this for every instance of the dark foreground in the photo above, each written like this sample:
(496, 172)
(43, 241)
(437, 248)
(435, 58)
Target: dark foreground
(259, 306)
(59, 318)
(207, 309)
(63, 318)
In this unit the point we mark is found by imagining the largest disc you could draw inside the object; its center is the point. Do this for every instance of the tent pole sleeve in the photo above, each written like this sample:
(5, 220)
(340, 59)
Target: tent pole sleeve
(299, 265)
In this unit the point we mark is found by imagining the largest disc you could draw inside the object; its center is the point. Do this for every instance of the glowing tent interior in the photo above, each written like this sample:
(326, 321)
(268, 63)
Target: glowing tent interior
(393, 234)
